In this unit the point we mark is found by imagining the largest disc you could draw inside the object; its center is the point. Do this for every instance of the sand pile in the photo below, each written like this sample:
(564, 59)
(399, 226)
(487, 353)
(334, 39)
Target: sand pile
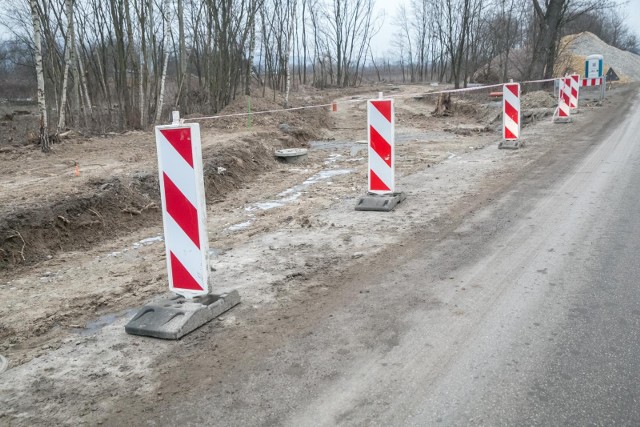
(577, 47)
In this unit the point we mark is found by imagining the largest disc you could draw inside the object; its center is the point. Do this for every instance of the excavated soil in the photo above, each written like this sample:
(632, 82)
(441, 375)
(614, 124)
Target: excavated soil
(109, 207)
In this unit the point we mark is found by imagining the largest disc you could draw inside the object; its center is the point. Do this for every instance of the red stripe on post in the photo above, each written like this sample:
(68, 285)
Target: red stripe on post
(513, 89)
(182, 279)
(511, 112)
(180, 139)
(508, 134)
(376, 183)
(384, 107)
(181, 210)
(380, 145)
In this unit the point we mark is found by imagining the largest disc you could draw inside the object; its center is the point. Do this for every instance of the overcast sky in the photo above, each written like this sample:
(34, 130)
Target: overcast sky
(381, 43)
(633, 15)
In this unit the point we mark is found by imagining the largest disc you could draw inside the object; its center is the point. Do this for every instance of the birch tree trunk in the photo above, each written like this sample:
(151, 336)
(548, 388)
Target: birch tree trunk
(62, 118)
(141, 90)
(252, 46)
(182, 57)
(167, 29)
(288, 55)
(83, 82)
(42, 105)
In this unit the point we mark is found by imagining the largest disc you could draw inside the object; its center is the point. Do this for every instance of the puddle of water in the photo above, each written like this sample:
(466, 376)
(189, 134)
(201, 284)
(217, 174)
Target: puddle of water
(324, 175)
(333, 157)
(299, 170)
(4, 363)
(95, 325)
(272, 204)
(355, 150)
(149, 241)
(291, 194)
(330, 145)
(216, 251)
(240, 226)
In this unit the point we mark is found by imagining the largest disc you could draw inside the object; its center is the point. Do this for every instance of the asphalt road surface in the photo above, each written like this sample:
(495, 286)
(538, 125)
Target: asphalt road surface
(526, 311)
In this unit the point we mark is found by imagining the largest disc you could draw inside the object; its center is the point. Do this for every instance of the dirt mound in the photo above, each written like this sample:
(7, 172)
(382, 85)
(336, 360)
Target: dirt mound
(538, 99)
(305, 124)
(578, 46)
(112, 208)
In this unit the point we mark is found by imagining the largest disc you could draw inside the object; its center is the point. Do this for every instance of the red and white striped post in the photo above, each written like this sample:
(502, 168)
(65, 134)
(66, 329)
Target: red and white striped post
(381, 125)
(381, 194)
(511, 111)
(184, 218)
(575, 91)
(184, 212)
(563, 112)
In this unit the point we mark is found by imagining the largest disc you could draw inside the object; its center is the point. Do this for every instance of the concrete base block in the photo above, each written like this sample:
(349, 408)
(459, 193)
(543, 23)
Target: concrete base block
(512, 144)
(562, 120)
(175, 317)
(380, 202)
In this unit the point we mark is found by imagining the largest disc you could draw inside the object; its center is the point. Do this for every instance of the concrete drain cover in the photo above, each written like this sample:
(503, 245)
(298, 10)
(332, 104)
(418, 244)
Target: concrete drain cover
(4, 364)
(292, 155)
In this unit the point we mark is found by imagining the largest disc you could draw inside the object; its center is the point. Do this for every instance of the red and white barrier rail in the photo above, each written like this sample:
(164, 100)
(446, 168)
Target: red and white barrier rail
(357, 101)
(381, 133)
(183, 208)
(592, 82)
(511, 111)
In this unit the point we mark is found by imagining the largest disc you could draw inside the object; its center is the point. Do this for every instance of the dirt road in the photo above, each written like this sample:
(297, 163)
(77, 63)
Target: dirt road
(340, 312)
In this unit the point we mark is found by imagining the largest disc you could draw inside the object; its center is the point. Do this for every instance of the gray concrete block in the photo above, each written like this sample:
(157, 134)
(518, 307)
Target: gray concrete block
(513, 145)
(175, 317)
(380, 202)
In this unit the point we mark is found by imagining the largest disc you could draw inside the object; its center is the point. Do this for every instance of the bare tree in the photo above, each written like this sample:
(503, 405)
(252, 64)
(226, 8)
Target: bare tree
(165, 62)
(42, 104)
(549, 21)
(68, 59)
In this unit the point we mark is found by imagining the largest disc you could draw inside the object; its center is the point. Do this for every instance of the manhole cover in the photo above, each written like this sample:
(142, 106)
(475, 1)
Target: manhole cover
(4, 364)
(292, 155)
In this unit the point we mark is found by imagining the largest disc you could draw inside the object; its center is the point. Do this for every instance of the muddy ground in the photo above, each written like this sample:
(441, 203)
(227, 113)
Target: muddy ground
(78, 254)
